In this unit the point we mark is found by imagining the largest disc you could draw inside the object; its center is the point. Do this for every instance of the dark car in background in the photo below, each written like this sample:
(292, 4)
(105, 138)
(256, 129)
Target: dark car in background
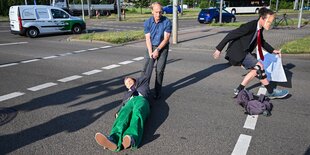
(169, 9)
(213, 15)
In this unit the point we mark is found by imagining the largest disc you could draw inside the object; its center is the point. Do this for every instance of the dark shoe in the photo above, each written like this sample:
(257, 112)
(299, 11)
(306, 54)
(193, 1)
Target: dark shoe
(106, 142)
(277, 93)
(128, 141)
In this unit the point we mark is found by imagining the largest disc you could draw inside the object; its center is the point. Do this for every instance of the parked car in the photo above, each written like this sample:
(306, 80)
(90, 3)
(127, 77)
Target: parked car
(213, 15)
(33, 20)
(169, 9)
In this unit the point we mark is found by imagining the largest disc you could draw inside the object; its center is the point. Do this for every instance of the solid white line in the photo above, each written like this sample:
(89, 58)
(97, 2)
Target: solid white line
(13, 43)
(126, 62)
(250, 122)
(7, 65)
(242, 145)
(42, 86)
(27, 61)
(138, 58)
(50, 57)
(10, 96)
(70, 78)
(92, 49)
(105, 46)
(80, 51)
(110, 66)
(92, 72)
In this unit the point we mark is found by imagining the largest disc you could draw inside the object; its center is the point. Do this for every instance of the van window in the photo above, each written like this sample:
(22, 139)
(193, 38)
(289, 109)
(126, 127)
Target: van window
(59, 14)
(28, 14)
(42, 13)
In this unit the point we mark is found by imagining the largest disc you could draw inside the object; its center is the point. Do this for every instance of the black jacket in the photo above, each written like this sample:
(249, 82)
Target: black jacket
(142, 85)
(240, 42)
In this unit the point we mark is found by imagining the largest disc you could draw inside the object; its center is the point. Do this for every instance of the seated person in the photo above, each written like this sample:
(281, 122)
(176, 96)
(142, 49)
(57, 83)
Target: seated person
(128, 126)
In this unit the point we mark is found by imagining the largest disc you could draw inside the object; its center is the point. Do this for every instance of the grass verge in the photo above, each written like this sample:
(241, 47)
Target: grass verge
(113, 37)
(297, 46)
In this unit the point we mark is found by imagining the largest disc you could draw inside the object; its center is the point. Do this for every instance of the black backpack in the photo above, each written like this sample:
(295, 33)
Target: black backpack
(254, 105)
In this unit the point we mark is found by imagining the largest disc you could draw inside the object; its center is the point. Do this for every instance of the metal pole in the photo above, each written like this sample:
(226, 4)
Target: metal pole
(25, 2)
(119, 17)
(89, 12)
(277, 4)
(175, 22)
(83, 10)
(296, 5)
(181, 7)
(221, 8)
(300, 13)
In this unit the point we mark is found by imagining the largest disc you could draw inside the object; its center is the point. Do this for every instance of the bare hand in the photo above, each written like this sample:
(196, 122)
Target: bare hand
(216, 54)
(277, 52)
(155, 54)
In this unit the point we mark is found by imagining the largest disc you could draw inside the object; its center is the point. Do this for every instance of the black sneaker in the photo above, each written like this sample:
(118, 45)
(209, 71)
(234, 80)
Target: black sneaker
(236, 92)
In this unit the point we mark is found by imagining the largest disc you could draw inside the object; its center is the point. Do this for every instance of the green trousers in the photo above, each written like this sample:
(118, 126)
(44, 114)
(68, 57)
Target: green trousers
(130, 121)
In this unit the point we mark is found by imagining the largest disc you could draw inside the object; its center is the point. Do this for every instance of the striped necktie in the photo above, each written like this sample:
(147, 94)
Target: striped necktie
(259, 45)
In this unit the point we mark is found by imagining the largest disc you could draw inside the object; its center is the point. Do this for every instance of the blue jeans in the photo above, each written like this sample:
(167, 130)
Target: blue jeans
(160, 67)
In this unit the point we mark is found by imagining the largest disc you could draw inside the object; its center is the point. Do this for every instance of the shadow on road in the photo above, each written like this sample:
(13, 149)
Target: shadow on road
(160, 108)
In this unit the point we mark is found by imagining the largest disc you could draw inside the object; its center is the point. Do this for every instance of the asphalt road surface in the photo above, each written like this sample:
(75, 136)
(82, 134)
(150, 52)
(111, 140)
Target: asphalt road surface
(65, 92)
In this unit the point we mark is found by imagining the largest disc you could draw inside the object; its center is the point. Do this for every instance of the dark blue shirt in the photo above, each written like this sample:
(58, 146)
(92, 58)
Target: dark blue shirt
(157, 30)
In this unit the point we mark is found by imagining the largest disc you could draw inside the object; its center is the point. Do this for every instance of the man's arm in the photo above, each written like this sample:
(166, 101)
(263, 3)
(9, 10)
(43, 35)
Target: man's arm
(235, 34)
(161, 45)
(148, 43)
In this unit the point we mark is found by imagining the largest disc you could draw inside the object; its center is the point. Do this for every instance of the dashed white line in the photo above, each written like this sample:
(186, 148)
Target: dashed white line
(126, 62)
(111, 66)
(27, 61)
(105, 47)
(16, 43)
(70, 78)
(80, 51)
(92, 72)
(7, 65)
(250, 122)
(65, 54)
(261, 90)
(242, 145)
(42, 86)
(138, 58)
(50, 57)
(10, 96)
(92, 49)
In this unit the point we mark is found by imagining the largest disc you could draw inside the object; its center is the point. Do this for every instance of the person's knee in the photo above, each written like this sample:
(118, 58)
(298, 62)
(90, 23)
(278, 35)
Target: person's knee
(260, 72)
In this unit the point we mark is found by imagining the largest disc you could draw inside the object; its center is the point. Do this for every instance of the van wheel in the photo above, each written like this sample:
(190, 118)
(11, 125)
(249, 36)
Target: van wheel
(32, 32)
(257, 10)
(77, 29)
(233, 11)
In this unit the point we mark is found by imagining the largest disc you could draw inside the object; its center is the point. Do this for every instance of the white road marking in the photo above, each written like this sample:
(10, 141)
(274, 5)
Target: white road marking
(7, 65)
(42, 86)
(50, 57)
(80, 51)
(110, 66)
(27, 61)
(242, 145)
(126, 62)
(250, 122)
(10, 96)
(92, 49)
(16, 43)
(65, 54)
(105, 46)
(262, 90)
(70, 78)
(138, 58)
(92, 72)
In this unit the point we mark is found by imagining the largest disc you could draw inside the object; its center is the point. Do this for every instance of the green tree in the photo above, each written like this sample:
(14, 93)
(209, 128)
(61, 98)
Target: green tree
(141, 4)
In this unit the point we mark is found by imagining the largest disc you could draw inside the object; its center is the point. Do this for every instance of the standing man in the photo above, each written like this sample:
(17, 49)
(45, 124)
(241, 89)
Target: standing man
(242, 41)
(157, 30)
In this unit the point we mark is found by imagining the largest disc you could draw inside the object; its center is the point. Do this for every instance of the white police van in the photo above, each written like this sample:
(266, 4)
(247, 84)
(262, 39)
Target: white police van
(32, 20)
